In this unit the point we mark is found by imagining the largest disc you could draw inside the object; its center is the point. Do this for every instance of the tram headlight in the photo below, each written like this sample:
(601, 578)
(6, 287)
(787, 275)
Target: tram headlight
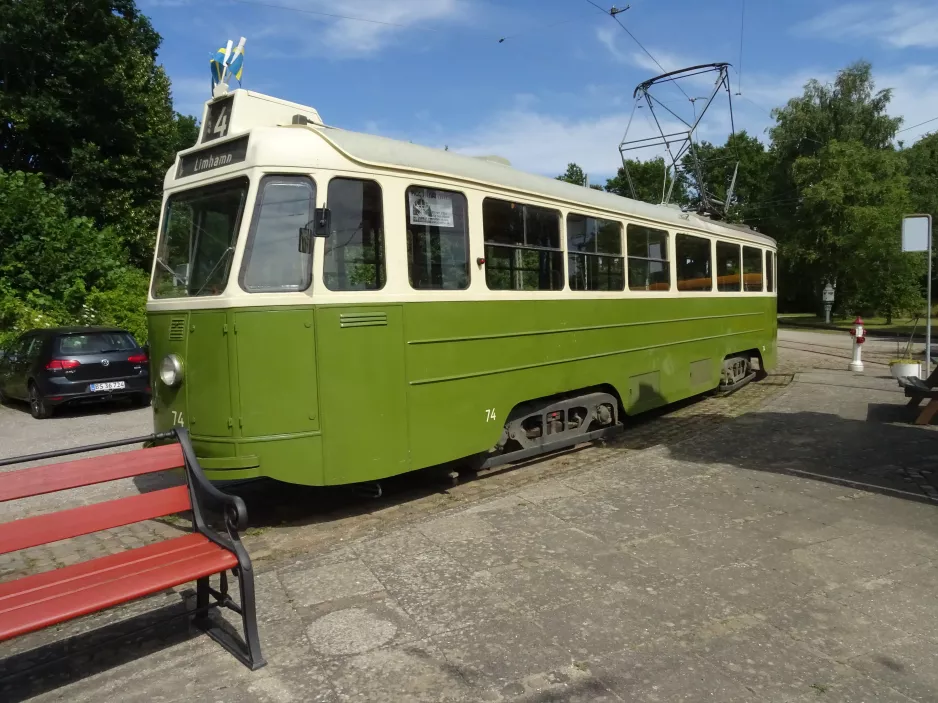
(171, 370)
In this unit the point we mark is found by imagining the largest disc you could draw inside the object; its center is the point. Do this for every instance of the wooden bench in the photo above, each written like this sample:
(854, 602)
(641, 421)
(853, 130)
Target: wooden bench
(41, 600)
(918, 390)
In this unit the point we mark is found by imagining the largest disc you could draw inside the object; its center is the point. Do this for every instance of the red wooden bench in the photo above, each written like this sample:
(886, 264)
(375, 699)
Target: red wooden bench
(38, 601)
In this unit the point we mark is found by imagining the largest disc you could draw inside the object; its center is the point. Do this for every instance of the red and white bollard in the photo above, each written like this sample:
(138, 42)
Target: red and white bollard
(859, 336)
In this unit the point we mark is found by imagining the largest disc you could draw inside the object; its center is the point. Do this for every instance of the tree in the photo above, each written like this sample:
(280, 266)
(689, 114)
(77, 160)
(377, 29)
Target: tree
(815, 241)
(853, 199)
(647, 179)
(574, 174)
(57, 269)
(86, 105)
(718, 166)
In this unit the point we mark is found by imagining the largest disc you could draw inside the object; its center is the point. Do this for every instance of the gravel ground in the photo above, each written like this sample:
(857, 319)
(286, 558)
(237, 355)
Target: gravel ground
(21, 434)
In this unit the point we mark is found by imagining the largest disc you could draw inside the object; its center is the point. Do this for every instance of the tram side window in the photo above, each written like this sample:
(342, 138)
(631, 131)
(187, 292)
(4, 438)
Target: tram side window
(595, 253)
(354, 250)
(522, 246)
(752, 269)
(437, 239)
(728, 267)
(647, 250)
(693, 263)
(769, 272)
(272, 260)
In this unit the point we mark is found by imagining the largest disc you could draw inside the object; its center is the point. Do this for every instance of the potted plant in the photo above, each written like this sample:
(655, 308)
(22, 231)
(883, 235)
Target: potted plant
(904, 365)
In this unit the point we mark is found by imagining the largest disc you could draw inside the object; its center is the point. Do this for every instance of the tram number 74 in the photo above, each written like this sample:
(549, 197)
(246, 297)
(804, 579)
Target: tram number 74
(178, 419)
(489, 414)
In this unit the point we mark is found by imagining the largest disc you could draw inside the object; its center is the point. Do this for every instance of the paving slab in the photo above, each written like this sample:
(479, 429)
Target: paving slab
(775, 545)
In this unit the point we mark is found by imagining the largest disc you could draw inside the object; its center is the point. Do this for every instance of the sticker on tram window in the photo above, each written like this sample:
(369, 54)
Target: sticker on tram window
(430, 207)
(231, 152)
(217, 120)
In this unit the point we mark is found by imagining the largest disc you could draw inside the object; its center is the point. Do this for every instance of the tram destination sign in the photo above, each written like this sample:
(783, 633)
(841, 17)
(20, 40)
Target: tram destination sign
(214, 157)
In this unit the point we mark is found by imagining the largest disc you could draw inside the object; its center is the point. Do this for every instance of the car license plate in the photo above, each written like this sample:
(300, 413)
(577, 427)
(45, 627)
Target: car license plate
(112, 386)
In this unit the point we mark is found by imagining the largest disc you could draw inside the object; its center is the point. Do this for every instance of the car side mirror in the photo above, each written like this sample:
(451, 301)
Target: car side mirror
(319, 226)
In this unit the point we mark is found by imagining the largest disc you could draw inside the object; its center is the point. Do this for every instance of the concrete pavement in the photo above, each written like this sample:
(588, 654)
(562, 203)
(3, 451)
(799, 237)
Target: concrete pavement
(787, 553)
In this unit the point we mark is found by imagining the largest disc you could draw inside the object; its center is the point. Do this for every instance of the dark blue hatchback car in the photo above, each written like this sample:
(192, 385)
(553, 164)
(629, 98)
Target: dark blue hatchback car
(51, 367)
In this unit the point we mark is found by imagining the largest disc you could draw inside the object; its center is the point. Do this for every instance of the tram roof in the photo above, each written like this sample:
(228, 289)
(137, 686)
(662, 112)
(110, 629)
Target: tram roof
(382, 151)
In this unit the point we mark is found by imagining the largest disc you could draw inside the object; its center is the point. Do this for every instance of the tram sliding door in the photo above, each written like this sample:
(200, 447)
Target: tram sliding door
(361, 372)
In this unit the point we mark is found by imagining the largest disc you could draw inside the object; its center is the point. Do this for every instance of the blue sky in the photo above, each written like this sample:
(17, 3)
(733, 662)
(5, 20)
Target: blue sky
(559, 88)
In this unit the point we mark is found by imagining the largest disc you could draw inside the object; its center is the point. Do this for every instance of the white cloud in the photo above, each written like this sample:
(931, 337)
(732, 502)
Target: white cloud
(333, 33)
(540, 142)
(900, 25)
(914, 98)
(190, 93)
(536, 139)
(623, 50)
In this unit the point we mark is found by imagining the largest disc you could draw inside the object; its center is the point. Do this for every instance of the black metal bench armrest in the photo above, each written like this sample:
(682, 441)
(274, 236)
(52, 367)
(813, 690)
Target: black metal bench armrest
(202, 490)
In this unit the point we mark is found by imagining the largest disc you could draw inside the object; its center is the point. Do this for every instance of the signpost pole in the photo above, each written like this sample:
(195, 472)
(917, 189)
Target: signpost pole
(928, 310)
(916, 236)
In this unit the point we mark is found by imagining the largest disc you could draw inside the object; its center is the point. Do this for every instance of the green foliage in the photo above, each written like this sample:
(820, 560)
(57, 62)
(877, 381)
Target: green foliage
(854, 197)
(56, 269)
(574, 174)
(648, 181)
(88, 133)
(752, 187)
(832, 189)
(86, 105)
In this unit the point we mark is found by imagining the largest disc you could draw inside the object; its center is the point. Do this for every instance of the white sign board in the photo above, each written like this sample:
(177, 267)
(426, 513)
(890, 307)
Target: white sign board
(916, 232)
(429, 207)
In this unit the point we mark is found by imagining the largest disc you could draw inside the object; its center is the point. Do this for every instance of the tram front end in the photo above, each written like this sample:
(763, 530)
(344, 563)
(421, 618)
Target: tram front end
(231, 322)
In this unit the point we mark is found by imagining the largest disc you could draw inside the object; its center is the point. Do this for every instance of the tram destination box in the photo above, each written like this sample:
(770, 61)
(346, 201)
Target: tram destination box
(217, 156)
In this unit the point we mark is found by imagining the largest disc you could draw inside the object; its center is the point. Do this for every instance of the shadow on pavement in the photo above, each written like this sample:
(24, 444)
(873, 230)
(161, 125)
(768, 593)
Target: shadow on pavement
(98, 407)
(67, 661)
(872, 454)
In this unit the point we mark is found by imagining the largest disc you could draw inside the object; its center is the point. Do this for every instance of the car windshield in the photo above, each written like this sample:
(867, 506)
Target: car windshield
(198, 239)
(95, 343)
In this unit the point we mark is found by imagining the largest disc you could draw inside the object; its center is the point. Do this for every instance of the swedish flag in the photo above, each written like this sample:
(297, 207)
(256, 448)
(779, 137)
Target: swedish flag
(217, 64)
(236, 65)
(236, 62)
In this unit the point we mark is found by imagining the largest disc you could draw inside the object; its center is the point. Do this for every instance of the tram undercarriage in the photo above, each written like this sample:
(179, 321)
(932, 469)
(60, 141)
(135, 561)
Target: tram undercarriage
(548, 424)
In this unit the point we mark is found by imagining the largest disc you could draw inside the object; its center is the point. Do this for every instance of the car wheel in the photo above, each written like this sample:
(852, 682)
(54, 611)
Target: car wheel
(141, 400)
(3, 398)
(37, 404)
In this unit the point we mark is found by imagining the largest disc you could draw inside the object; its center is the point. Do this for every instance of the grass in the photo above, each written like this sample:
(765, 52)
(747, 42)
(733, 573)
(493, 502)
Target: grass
(898, 328)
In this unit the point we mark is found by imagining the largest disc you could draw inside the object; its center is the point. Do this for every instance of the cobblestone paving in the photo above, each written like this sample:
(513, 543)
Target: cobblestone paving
(771, 555)
(280, 515)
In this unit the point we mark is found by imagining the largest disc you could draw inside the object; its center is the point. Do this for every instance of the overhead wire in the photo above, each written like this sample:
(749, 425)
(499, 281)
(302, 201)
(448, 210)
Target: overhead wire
(635, 39)
(906, 129)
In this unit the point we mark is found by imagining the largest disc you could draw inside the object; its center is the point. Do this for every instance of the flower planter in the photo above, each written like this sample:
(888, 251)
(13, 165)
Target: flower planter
(905, 368)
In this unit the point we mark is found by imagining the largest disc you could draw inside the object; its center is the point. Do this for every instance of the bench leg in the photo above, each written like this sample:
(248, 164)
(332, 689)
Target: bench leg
(925, 417)
(915, 402)
(202, 592)
(247, 652)
(249, 618)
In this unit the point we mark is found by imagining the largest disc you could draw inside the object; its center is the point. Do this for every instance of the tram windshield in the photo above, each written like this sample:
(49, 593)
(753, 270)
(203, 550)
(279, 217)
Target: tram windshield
(196, 248)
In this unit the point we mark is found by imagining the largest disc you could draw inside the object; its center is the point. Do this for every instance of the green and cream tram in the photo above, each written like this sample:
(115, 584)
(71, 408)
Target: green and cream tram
(330, 307)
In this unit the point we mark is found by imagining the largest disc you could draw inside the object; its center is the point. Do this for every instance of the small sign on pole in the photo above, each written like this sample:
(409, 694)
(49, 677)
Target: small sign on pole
(916, 236)
(827, 297)
(916, 232)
